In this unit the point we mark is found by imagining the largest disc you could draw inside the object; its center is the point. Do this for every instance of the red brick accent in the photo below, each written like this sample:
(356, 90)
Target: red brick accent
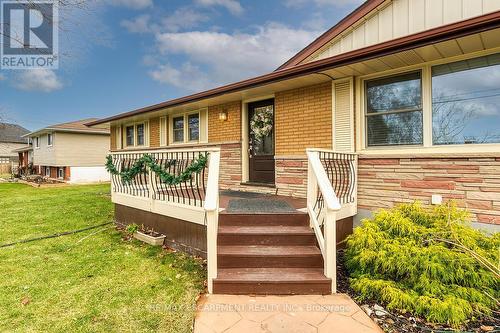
(473, 183)
(428, 184)
(491, 219)
(67, 173)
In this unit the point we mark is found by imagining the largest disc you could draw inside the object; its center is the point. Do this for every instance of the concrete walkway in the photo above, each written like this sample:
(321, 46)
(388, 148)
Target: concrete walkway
(287, 314)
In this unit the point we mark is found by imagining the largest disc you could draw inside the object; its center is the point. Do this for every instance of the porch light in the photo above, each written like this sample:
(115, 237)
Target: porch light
(223, 115)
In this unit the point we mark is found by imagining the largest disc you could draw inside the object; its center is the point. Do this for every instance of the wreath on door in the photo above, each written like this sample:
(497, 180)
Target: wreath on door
(261, 123)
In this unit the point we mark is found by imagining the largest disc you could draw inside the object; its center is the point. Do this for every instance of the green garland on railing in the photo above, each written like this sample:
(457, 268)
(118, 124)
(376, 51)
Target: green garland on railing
(139, 166)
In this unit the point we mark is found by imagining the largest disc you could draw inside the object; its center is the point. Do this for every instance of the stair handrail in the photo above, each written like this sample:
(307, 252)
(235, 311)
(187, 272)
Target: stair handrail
(211, 207)
(318, 178)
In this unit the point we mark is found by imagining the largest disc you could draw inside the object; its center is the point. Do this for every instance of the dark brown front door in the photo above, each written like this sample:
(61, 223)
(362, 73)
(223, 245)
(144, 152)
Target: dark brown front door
(261, 141)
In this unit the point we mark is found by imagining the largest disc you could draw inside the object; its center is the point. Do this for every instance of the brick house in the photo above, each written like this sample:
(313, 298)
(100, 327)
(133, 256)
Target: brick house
(71, 152)
(409, 88)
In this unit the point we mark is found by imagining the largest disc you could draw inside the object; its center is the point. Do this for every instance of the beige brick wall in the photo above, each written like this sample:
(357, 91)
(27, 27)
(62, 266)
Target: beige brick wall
(154, 132)
(224, 131)
(474, 183)
(303, 119)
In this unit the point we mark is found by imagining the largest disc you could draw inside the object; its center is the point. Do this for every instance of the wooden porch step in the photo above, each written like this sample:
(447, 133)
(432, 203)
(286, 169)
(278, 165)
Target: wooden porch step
(258, 256)
(266, 235)
(272, 281)
(285, 219)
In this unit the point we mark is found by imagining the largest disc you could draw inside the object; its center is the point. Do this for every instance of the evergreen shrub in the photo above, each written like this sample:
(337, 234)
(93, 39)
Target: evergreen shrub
(426, 261)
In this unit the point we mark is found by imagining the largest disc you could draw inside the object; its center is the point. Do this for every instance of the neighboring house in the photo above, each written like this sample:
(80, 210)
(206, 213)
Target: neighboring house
(25, 155)
(71, 151)
(11, 138)
(402, 97)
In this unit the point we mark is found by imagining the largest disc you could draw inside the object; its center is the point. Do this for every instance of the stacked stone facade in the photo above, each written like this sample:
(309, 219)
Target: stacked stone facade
(473, 183)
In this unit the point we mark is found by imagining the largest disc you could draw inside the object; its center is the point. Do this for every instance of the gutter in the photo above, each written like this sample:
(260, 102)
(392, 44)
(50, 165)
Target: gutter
(435, 35)
(49, 129)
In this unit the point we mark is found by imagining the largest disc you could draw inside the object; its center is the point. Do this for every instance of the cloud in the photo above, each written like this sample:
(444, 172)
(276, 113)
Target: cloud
(133, 4)
(188, 76)
(183, 18)
(322, 3)
(138, 25)
(233, 6)
(216, 58)
(39, 79)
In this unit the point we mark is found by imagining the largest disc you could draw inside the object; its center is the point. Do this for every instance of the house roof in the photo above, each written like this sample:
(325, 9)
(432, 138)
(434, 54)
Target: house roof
(427, 37)
(12, 133)
(333, 32)
(78, 126)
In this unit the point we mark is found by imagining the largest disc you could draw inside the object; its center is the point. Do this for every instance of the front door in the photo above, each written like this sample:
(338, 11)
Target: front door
(261, 141)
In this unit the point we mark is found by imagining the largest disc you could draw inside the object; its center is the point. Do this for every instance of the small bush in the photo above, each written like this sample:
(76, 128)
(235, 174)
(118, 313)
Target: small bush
(428, 262)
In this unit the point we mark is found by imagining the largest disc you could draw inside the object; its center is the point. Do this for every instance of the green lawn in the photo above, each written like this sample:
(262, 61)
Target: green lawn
(87, 282)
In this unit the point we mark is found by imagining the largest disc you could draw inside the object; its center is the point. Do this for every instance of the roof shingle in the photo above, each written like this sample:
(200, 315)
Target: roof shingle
(12, 133)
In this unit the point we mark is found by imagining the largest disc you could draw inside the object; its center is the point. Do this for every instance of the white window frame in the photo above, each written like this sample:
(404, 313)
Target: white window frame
(50, 142)
(134, 125)
(185, 116)
(427, 147)
(37, 142)
(47, 171)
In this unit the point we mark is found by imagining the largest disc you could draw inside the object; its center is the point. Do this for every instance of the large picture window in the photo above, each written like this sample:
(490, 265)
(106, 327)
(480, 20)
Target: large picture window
(394, 110)
(466, 101)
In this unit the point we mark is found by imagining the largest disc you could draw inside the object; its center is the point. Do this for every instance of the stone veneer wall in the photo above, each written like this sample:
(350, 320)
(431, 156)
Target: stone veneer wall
(291, 173)
(474, 183)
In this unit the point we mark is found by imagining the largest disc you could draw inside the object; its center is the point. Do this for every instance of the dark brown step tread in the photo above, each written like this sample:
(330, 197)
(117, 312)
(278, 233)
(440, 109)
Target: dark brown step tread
(265, 230)
(263, 250)
(274, 275)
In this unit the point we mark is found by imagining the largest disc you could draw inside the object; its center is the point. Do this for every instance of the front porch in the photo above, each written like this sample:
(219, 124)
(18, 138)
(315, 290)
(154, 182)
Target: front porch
(255, 243)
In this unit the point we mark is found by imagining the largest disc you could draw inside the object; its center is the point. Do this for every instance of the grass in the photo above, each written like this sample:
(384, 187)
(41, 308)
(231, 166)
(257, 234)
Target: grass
(92, 281)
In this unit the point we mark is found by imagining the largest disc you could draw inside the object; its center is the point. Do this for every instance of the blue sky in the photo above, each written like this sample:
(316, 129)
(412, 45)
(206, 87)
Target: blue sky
(119, 55)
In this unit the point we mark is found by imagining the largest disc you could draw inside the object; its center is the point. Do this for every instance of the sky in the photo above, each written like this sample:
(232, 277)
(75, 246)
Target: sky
(120, 55)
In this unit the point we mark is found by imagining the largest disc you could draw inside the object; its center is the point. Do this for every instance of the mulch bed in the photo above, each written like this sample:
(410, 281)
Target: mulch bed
(401, 323)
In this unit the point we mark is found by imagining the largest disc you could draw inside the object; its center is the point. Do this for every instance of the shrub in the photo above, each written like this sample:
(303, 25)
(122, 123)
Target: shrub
(428, 262)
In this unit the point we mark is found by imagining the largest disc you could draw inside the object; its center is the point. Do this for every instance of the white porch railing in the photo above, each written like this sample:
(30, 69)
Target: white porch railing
(334, 175)
(195, 200)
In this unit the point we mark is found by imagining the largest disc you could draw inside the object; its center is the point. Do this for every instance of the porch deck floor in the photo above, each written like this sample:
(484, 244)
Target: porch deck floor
(227, 195)
(303, 313)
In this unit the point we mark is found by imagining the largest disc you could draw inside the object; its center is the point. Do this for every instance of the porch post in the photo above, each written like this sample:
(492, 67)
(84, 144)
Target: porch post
(330, 231)
(312, 182)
